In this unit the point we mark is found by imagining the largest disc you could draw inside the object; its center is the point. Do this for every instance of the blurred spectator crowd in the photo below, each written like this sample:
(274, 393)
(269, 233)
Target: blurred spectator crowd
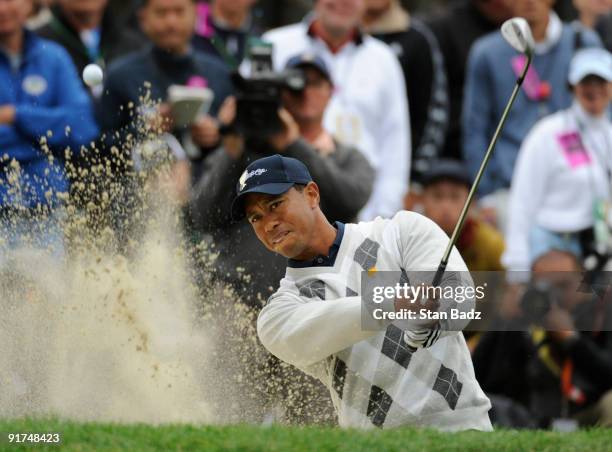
(389, 108)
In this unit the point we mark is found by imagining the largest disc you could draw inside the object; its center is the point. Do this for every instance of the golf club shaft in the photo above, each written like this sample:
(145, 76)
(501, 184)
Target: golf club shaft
(442, 267)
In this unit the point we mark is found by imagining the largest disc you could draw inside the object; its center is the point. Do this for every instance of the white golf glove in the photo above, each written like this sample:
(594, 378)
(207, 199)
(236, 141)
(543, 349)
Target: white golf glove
(422, 338)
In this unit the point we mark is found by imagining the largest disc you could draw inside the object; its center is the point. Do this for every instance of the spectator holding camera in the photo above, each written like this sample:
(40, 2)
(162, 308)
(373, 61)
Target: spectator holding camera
(343, 174)
(563, 176)
(562, 366)
(369, 108)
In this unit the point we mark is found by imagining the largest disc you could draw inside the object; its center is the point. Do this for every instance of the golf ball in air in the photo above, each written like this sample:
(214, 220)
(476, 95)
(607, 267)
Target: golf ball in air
(92, 75)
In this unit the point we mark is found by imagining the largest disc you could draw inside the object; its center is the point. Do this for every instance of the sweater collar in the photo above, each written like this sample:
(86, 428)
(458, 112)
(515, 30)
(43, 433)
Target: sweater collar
(322, 261)
(553, 35)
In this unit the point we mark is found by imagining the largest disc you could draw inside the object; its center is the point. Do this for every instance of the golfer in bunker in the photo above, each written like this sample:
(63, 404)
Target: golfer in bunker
(385, 377)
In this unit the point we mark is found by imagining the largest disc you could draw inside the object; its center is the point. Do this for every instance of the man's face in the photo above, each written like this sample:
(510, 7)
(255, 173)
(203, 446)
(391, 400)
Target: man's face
(531, 10)
(339, 17)
(593, 94)
(309, 105)
(78, 7)
(169, 23)
(13, 15)
(443, 202)
(284, 223)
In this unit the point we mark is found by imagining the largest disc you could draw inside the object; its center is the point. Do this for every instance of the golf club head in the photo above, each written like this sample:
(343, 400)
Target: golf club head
(517, 33)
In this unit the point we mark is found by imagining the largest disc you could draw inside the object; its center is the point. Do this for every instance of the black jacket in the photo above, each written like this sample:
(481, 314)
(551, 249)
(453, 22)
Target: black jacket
(423, 66)
(345, 179)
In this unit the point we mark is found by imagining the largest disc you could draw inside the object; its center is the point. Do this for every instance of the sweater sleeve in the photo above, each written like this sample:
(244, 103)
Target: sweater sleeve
(302, 332)
(526, 191)
(345, 187)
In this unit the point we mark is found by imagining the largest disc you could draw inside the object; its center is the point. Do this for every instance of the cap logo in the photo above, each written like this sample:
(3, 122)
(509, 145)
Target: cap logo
(248, 174)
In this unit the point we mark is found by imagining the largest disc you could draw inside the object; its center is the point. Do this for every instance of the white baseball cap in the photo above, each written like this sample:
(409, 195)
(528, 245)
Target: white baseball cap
(590, 61)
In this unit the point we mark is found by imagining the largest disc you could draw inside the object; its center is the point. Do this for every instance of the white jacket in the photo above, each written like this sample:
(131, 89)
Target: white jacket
(553, 187)
(368, 110)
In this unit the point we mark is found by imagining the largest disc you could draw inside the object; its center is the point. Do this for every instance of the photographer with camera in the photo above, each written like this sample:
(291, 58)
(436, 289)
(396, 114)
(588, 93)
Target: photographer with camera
(369, 108)
(561, 366)
(343, 174)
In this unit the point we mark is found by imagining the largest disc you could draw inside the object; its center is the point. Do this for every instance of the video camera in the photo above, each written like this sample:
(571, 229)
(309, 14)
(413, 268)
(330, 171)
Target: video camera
(258, 97)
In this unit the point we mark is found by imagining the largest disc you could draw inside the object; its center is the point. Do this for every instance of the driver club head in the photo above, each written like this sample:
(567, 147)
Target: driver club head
(517, 33)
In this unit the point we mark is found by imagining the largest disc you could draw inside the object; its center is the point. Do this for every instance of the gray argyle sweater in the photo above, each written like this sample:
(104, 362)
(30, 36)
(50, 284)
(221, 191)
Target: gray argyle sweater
(314, 320)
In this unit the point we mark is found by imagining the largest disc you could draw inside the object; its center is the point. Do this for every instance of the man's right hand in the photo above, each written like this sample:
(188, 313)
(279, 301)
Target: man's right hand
(417, 306)
(289, 134)
(422, 332)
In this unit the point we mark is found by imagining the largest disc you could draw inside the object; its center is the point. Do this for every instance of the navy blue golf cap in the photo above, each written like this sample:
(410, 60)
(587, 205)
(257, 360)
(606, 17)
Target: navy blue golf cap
(271, 175)
(307, 59)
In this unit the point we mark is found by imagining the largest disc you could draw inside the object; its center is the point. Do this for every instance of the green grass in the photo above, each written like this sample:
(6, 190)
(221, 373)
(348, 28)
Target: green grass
(95, 436)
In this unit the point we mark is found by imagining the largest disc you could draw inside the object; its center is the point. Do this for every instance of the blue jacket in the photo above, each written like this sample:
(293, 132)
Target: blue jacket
(51, 104)
(490, 79)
